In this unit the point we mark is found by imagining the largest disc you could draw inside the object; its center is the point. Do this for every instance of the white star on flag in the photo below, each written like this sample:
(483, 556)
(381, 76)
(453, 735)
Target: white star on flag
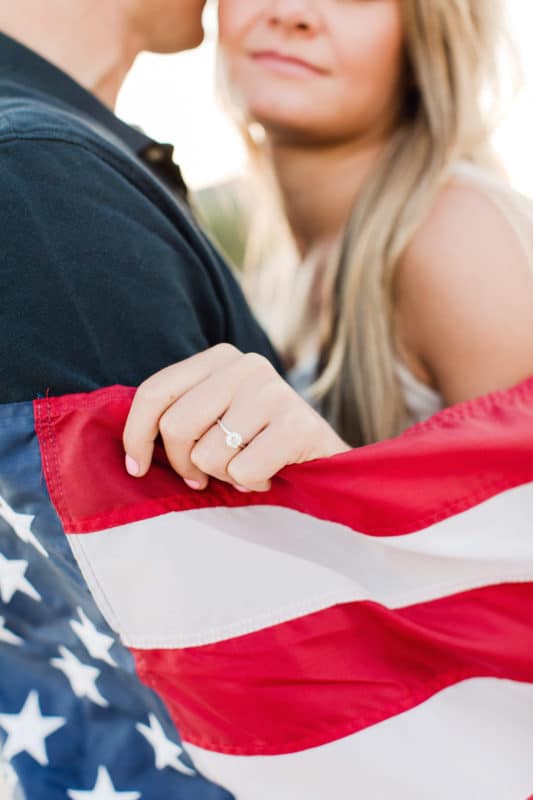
(167, 753)
(103, 790)
(6, 635)
(21, 524)
(97, 644)
(82, 677)
(12, 580)
(27, 730)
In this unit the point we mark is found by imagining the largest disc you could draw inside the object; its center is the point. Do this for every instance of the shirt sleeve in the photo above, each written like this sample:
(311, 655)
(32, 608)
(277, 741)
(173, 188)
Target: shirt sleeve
(98, 285)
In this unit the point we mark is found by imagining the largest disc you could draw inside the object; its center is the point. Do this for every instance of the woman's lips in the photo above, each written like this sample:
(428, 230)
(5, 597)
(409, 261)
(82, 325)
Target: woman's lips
(284, 64)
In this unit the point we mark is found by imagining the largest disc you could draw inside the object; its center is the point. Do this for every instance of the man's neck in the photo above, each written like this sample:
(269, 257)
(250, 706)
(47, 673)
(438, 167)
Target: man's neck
(320, 186)
(94, 52)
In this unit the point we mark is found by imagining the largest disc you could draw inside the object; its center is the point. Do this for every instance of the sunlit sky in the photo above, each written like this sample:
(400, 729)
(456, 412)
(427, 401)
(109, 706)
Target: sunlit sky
(173, 99)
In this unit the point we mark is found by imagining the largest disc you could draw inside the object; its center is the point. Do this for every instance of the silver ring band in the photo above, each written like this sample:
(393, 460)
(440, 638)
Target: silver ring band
(233, 439)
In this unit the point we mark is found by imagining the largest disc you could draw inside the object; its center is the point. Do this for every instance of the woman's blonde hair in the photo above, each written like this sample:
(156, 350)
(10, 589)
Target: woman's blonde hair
(452, 84)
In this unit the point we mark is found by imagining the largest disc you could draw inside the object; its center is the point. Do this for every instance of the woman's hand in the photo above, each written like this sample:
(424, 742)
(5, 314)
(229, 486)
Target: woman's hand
(195, 404)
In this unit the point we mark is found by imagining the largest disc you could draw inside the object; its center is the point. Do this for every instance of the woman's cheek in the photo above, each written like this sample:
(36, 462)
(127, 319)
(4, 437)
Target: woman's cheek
(234, 19)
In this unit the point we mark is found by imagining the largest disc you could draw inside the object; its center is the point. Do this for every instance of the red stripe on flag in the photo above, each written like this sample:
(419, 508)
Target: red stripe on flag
(454, 461)
(330, 674)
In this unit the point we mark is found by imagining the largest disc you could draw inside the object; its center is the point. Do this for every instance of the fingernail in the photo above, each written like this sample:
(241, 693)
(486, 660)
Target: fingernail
(132, 467)
(193, 485)
(243, 489)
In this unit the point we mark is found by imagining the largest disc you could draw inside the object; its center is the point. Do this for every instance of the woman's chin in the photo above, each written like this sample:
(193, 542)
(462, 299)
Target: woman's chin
(287, 124)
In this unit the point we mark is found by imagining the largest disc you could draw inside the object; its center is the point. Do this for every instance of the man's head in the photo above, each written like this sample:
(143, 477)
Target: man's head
(166, 26)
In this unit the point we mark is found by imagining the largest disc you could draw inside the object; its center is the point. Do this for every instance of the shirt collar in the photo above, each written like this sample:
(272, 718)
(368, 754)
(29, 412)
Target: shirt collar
(25, 67)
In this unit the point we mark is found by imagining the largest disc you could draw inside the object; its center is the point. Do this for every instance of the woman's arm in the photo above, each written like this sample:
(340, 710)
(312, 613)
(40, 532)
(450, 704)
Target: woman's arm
(465, 298)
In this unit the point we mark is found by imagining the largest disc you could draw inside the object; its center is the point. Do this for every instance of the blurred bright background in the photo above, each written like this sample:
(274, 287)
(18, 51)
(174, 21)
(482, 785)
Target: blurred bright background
(173, 99)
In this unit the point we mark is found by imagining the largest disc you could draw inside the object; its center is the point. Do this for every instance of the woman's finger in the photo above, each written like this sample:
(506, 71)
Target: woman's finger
(186, 425)
(158, 393)
(182, 432)
(258, 395)
(270, 451)
(295, 435)
(215, 451)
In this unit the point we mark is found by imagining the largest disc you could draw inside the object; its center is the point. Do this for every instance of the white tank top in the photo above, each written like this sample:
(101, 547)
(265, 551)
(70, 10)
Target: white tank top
(421, 401)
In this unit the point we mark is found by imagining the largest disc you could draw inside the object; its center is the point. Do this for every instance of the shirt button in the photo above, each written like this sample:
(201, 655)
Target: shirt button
(154, 154)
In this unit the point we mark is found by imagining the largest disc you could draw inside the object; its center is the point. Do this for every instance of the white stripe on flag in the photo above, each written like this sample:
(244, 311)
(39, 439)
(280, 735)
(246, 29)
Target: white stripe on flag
(473, 740)
(217, 573)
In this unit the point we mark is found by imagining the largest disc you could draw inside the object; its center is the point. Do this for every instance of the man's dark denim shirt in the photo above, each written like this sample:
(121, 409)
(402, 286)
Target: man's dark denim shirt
(105, 277)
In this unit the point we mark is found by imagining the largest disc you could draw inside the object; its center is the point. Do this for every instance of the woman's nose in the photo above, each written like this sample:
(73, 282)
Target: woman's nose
(294, 15)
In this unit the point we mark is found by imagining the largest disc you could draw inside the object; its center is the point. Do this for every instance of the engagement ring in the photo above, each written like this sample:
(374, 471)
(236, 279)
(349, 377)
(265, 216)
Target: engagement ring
(233, 439)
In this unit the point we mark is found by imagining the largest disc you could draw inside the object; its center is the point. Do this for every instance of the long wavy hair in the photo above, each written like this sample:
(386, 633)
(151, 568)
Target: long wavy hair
(452, 89)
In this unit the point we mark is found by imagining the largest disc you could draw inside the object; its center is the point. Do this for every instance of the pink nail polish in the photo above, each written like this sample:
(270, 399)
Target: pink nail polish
(132, 467)
(243, 489)
(193, 485)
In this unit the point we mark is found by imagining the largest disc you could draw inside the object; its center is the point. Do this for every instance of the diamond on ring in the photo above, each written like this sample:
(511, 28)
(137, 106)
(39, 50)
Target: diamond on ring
(233, 439)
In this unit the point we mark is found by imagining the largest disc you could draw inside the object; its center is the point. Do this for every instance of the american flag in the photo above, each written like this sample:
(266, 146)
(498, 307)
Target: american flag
(363, 630)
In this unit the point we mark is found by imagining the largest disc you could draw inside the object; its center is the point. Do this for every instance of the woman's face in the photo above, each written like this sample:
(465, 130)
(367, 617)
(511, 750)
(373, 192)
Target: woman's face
(324, 70)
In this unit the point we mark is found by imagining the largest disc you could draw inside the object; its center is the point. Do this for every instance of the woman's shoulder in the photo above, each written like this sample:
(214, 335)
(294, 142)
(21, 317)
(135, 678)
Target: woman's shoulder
(465, 290)
(472, 223)
(478, 230)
